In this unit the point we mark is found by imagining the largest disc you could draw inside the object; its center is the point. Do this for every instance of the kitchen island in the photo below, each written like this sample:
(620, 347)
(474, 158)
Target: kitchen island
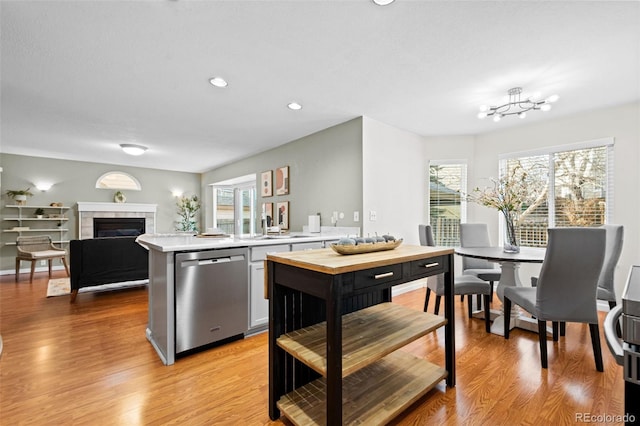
(228, 284)
(334, 335)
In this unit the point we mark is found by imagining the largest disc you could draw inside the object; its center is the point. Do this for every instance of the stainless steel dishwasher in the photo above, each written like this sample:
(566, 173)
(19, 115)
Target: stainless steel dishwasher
(211, 296)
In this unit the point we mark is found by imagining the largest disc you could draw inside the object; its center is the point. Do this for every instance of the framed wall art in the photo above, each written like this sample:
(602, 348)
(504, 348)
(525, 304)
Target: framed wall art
(282, 214)
(266, 184)
(282, 180)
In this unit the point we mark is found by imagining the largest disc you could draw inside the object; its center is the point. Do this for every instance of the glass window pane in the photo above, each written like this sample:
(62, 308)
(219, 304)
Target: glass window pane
(224, 210)
(580, 187)
(533, 219)
(446, 182)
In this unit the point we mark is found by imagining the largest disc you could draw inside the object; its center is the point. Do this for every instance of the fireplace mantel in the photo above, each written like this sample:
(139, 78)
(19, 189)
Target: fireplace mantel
(88, 210)
(88, 206)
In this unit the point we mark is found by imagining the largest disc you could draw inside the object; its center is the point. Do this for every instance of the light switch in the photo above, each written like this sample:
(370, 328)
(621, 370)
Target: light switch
(373, 216)
(356, 216)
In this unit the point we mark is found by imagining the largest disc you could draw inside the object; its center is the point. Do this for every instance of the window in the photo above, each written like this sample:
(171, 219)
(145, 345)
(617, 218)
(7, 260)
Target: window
(568, 187)
(118, 180)
(234, 205)
(447, 180)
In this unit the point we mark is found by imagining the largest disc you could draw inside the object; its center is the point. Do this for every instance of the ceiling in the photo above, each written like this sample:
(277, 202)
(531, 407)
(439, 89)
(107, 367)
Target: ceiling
(79, 78)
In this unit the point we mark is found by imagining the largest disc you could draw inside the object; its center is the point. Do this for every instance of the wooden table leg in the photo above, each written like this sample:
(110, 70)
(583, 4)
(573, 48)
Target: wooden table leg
(449, 328)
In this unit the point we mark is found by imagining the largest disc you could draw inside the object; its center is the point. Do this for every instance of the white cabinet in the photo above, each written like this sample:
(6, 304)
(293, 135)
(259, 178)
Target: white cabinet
(258, 305)
(25, 222)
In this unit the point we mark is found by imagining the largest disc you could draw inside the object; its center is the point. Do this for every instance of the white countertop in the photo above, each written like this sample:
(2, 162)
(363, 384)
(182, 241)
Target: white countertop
(181, 242)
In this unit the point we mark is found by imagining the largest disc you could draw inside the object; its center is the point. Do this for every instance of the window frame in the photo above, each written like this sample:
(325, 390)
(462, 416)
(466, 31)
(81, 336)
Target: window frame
(463, 186)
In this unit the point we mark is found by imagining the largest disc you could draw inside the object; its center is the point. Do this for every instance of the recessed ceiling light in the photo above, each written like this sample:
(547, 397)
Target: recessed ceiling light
(383, 2)
(218, 81)
(133, 149)
(294, 106)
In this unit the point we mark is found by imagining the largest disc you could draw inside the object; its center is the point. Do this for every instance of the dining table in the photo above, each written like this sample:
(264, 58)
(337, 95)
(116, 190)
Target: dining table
(509, 264)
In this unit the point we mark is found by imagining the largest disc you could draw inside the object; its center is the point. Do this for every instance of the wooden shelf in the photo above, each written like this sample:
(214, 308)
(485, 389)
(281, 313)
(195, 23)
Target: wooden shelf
(373, 395)
(367, 336)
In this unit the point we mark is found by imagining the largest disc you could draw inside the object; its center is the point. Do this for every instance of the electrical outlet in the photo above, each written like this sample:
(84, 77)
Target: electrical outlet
(373, 216)
(356, 216)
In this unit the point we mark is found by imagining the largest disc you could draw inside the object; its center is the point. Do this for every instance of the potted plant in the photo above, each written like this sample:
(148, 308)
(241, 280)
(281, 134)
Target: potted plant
(39, 212)
(187, 209)
(19, 195)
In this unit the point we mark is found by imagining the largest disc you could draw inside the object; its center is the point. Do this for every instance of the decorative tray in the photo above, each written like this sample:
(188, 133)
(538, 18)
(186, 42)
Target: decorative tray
(365, 247)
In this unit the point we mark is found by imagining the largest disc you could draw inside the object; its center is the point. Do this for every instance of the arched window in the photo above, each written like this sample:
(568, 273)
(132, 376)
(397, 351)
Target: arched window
(118, 180)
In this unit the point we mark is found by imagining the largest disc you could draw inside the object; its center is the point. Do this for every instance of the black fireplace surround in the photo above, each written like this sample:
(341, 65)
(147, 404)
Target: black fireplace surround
(118, 226)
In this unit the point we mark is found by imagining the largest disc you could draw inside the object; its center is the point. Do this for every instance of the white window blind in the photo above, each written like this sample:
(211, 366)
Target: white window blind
(569, 186)
(447, 181)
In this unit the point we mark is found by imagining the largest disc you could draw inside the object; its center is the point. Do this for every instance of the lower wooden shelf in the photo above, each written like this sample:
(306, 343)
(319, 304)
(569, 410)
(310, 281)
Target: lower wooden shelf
(373, 395)
(367, 336)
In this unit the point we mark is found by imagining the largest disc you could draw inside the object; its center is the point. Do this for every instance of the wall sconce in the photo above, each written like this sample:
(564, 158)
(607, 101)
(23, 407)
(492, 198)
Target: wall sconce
(44, 186)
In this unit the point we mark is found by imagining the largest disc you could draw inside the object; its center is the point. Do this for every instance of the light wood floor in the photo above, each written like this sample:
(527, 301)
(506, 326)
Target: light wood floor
(90, 363)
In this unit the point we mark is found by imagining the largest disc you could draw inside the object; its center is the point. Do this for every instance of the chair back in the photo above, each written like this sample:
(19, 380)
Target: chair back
(426, 235)
(33, 244)
(475, 235)
(426, 239)
(615, 238)
(569, 274)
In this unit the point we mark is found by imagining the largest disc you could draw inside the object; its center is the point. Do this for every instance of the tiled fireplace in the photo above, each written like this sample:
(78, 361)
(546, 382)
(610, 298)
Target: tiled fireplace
(87, 211)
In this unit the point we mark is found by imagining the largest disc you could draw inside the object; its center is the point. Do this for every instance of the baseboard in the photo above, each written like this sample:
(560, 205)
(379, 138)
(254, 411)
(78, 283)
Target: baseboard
(28, 270)
(405, 288)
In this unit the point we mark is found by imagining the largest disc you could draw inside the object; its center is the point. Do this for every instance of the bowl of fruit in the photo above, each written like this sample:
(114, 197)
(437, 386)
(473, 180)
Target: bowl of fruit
(365, 244)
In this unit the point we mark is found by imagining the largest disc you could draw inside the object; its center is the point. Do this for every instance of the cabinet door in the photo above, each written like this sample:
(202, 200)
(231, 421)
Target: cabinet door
(259, 306)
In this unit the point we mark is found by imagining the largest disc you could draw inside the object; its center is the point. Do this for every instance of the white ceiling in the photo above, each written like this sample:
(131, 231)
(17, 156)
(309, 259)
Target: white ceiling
(78, 78)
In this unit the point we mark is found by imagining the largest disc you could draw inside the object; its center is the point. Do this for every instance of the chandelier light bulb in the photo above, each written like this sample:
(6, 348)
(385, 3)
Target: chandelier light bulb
(497, 117)
(522, 114)
(553, 98)
(483, 108)
(482, 115)
(545, 107)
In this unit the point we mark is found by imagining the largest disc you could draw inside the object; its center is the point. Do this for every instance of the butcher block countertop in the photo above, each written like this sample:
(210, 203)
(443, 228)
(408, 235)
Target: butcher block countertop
(329, 262)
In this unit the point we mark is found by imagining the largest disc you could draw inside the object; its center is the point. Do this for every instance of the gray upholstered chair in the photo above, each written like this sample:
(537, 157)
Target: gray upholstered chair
(567, 284)
(463, 285)
(477, 235)
(606, 289)
(37, 248)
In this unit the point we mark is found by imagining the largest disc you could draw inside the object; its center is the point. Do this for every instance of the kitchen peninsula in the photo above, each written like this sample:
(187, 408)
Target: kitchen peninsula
(205, 290)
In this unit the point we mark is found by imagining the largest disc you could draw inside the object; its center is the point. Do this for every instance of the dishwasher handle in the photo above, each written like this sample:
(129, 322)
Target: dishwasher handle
(211, 261)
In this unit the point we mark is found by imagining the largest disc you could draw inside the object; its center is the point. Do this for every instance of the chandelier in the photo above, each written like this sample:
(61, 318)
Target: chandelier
(516, 105)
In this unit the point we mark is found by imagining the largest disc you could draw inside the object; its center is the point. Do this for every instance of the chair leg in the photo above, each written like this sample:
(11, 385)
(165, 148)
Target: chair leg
(462, 298)
(542, 337)
(507, 316)
(33, 269)
(469, 306)
(50, 262)
(491, 292)
(555, 326)
(595, 342)
(436, 310)
(479, 301)
(487, 314)
(426, 299)
(17, 268)
(66, 267)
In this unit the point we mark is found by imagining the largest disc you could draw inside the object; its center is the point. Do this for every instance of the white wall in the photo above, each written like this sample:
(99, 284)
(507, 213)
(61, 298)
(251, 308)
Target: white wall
(394, 176)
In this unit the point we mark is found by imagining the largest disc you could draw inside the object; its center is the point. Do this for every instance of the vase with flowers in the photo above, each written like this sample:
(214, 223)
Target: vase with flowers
(508, 195)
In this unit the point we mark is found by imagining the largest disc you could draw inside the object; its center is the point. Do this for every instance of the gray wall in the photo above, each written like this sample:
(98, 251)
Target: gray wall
(325, 175)
(75, 181)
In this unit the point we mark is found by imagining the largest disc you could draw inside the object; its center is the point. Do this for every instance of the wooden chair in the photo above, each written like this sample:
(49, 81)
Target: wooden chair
(37, 248)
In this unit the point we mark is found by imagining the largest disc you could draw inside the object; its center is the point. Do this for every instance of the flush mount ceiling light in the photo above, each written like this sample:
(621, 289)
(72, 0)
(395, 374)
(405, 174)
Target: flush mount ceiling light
(218, 82)
(133, 149)
(516, 105)
(294, 106)
(383, 2)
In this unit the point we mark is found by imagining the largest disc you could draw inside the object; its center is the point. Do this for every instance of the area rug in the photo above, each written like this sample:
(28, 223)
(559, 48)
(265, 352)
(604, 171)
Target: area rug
(62, 287)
